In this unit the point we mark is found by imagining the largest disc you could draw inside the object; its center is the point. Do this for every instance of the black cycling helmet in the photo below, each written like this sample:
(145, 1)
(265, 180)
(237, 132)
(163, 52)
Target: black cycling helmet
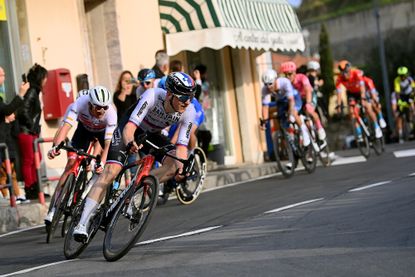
(180, 83)
(146, 74)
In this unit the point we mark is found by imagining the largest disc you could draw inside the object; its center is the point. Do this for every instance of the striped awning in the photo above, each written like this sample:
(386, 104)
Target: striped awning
(256, 24)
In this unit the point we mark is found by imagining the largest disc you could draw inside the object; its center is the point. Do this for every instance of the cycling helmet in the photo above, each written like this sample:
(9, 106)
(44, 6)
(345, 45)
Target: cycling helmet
(146, 74)
(162, 82)
(344, 65)
(313, 65)
(99, 96)
(288, 67)
(180, 83)
(82, 92)
(269, 76)
(403, 70)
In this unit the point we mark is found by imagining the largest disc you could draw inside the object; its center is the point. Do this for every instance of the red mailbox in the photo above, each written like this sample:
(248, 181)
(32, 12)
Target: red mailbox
(57, 93)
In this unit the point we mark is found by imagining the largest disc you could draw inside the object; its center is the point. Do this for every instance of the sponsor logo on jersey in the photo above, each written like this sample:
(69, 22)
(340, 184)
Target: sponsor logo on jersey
(189, 127)
(145, 104)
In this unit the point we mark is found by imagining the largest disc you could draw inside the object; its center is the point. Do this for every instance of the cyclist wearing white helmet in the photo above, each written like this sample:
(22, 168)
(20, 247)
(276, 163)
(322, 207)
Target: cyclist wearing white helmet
(97, 120)
(155, 110)
(268, 101)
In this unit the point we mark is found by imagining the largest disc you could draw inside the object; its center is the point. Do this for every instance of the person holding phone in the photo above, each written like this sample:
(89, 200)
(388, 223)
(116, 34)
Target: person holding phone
(7, 117)
(28, 117)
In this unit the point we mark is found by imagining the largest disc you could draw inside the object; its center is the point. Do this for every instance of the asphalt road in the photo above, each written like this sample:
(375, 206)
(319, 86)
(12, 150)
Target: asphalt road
(353, 219)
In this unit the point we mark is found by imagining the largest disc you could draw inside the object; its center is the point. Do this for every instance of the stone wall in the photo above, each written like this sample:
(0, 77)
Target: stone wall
(353, 36)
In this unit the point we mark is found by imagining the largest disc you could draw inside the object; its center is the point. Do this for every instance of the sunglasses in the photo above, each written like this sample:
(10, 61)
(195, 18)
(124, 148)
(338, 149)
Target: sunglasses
(183, 98)
(269, 84)
(289, 73)
(146, 83)
(98, 108)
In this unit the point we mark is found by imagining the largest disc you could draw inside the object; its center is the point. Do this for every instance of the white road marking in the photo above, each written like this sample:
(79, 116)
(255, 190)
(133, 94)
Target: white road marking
(293, 205)
(348, 160)
(36, 268)
(404, 153)
(370, 186)
(412, 174)
(191, 233)
(22, 230)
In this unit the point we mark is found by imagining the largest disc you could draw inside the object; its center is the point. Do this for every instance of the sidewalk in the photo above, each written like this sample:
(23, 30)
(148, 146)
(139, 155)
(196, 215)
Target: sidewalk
(26, 215)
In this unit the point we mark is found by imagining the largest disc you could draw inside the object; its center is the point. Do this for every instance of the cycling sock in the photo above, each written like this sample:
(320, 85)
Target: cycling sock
(318, 124)
(380, 116)
(90, 207)
(376, 125)
(358, 131)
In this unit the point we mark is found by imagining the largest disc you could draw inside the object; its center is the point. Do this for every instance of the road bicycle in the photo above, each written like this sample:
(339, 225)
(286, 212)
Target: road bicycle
(367, 139)
(126, 209)
(289, 148)
(321, 147)
(72, 190)
(188, 190)
(407, 119)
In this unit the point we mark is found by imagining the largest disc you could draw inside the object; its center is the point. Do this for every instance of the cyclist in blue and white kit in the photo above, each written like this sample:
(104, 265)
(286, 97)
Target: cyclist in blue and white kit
(199, 118)
(287, 99)
(96, 120)
(155, 110)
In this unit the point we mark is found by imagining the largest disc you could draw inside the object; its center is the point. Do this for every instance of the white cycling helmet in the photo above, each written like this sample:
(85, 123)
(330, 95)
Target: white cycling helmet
(269, 76)
(99, 96)
(82, 92)
(313, 65)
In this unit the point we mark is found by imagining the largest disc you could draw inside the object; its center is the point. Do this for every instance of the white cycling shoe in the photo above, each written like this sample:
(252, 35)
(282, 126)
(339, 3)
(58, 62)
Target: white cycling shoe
(80, 233)
(49, 217)
(321, 134)
(306, 139)
(378, 133)
(382, 123)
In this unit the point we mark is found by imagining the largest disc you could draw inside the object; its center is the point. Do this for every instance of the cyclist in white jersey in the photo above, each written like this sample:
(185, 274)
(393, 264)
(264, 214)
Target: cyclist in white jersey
(288, 100)
(156, 109)
(97, 120)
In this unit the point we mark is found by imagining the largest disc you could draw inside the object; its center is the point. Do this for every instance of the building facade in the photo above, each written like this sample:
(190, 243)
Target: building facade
(101, 38)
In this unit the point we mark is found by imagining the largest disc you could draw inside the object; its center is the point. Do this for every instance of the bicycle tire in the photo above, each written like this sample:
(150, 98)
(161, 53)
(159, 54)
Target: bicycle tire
(75, 198)
(72, 248)
(190, 190)
(363, 145)
(145, 194)
(60, 207)
(284, 154)
(324, 156)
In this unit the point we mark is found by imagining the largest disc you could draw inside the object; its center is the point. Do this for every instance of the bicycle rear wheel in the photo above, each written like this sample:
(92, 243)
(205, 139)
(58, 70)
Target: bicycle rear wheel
(60, 205)
(74, 199)
(324, 154)
(73, 248)
(188, 191)
(284, 154)
(130, 219)
(362, 142)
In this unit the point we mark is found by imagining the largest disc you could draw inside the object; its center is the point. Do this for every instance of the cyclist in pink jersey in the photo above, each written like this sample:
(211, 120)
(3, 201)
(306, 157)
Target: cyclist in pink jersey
(303, 86)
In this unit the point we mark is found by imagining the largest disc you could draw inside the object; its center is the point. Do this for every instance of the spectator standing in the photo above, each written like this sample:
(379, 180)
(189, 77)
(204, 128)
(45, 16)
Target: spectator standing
(162, 64)
(123, 96)
(7, 129)
(29, 122)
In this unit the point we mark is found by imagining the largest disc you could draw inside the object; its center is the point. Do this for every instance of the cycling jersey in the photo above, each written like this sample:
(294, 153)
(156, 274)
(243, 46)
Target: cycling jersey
(285, 89)
(79, 111)
(198, 119)
(268, 99)
(150, 117)
(369, 84)
(301, 84)
(352, 84)
(404, 87)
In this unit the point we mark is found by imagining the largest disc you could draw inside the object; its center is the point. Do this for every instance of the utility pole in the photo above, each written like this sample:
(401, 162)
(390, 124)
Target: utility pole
(382, 55)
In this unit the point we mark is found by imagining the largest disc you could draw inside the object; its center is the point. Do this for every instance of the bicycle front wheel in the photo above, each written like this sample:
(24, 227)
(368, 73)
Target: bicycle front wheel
(362, 141)
(60, 206)
(130, 219)
(284, 154)
(188, 191)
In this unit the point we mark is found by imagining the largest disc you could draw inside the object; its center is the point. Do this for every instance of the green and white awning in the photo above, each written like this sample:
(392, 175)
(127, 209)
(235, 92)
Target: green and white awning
(256, 24)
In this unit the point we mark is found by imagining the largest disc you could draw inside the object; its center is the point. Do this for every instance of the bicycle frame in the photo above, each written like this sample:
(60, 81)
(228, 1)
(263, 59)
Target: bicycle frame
(356, 113)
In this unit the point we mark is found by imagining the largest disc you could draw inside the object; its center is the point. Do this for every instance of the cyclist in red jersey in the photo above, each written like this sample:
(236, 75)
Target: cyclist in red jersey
(301, 83)
(374, 96)
(352, 80)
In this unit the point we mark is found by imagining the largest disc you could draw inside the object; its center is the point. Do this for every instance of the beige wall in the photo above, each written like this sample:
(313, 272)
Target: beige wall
(140, 33)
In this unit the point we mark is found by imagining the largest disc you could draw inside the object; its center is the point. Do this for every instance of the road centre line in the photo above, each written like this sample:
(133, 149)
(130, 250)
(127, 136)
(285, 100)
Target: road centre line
(370, 186)
(412, 174)
(293, 205)
(22, 230)
(36, 268)
(191, 233)
(348, 160)
(404, 153)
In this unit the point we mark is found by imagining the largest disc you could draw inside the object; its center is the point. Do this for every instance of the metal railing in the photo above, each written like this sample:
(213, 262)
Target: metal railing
(36, 143)
(9, 174)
